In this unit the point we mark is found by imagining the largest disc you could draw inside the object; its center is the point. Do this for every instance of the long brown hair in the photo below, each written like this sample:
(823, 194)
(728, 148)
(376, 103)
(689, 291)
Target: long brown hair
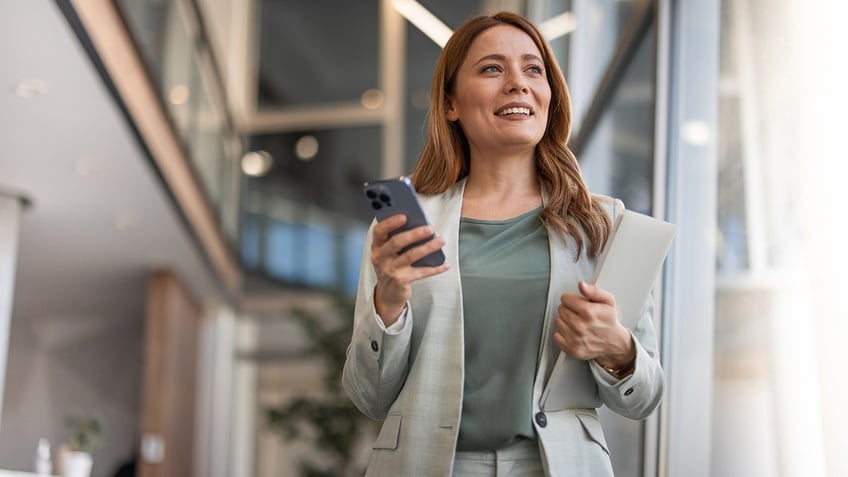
(445, 160)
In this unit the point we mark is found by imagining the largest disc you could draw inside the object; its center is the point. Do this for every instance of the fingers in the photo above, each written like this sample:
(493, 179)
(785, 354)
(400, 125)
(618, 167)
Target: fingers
(420, 251)
(388, 244)
(387, 226)
(585, 322)
(393, 263)
(595, 294)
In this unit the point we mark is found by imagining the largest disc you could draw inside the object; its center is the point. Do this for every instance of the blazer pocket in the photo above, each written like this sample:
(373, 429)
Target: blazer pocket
(388, 438)
(593, 429)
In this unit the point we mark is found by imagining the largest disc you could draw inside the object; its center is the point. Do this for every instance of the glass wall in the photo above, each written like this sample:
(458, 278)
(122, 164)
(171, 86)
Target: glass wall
(177, 55)
(618, 159)
(780, 311)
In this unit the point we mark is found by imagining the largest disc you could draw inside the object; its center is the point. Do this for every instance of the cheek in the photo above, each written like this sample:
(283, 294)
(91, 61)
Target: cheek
(545, 96)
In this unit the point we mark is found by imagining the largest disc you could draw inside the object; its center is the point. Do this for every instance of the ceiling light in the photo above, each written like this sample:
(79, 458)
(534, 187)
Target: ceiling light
(428, 23)
(372, 98)
(256, 163)
(558, 26)
(179, 94)
(306, 148)
(31, 88)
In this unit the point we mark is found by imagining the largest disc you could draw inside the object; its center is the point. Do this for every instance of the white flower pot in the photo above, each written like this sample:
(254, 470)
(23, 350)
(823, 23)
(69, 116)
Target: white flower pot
(76, 464)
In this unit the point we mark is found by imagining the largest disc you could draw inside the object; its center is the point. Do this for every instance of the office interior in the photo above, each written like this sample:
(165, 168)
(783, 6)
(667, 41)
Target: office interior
(181, 226)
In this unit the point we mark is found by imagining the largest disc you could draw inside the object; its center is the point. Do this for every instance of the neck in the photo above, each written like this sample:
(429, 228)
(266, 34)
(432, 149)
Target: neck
(502, 175)
(501, 187)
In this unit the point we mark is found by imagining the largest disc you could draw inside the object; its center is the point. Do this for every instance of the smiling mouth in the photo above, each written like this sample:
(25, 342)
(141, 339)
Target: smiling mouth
(519, 110)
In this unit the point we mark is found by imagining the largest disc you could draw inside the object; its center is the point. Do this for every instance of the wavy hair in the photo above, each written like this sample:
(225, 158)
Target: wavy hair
(445, 158)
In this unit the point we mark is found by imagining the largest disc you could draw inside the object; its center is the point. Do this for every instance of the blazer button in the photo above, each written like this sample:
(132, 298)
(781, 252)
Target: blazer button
(375, 347)
(628, 392)
(541, 419)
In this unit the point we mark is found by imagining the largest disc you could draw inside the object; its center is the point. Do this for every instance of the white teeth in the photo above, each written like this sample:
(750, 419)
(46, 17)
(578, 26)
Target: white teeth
(525, 111)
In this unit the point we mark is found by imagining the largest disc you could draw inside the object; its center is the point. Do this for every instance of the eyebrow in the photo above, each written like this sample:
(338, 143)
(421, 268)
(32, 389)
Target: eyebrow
(499, 57)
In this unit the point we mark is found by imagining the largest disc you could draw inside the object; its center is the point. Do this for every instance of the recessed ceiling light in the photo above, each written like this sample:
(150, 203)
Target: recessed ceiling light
(306, 148)
(372, 98)
(31, 88)
(256, 163)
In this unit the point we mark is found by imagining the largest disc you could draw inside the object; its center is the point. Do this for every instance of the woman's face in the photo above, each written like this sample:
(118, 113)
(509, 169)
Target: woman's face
(501, 92)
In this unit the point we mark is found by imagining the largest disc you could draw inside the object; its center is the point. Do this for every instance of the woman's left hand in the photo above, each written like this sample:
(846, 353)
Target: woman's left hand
(587, 327)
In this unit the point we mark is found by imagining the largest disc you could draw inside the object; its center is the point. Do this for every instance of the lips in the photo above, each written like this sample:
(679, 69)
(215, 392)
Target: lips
(515, 109)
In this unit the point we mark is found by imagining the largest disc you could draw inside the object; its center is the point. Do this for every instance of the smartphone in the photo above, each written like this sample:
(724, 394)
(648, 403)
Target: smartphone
(397, 196)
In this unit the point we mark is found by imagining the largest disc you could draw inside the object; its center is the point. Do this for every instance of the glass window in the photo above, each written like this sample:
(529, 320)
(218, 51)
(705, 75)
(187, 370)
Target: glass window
(354, 243)
(182, 71)
(618, 159)
(325, 168)
(311, 202)
(317, 51)
(592, 45)
(251, 245)
(778, 407)
(147, 21)
(206, 136)
(282, 242)
(551, 9)
(422, 54)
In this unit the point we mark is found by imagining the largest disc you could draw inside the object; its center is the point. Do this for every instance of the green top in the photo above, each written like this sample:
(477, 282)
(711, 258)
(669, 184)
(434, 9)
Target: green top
(505, 270)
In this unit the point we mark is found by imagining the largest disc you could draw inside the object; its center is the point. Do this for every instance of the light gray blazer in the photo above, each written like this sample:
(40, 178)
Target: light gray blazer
(414, 380)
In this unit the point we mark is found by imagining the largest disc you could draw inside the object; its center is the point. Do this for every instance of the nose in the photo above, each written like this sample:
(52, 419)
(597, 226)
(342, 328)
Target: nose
(516, 83)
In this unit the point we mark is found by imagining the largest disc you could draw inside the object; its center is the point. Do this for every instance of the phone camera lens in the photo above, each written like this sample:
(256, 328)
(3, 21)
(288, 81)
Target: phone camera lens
(386, 199)
(371, 194)
(376, 205)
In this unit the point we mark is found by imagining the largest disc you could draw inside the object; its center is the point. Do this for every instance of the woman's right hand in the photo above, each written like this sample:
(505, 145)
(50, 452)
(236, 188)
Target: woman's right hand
(395, 272)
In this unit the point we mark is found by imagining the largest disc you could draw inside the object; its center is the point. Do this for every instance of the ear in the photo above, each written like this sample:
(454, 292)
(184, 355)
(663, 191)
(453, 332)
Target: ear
(450, 111)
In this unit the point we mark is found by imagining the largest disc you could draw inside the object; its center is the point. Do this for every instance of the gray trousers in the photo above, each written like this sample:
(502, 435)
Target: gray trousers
(520, 459)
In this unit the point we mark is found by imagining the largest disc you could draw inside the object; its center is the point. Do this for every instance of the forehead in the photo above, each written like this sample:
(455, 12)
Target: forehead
(504, 40)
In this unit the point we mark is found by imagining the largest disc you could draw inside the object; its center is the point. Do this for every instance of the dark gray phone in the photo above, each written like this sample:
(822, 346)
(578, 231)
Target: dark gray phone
(397, 196)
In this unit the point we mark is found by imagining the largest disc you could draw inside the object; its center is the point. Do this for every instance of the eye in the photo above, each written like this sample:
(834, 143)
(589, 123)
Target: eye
(535, 69)
(491, 69)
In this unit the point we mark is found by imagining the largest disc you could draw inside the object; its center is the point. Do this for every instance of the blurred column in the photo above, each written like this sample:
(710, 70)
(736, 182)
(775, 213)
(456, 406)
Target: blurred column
(245, 373)
(10, 211)
(693, 56)
(215, 382)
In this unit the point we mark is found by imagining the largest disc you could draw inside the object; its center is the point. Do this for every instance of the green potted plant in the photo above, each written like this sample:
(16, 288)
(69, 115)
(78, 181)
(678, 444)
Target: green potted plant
(84, 436)
(331, 423)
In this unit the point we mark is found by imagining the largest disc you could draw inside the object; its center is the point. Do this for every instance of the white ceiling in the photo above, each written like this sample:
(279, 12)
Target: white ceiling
(73, 261)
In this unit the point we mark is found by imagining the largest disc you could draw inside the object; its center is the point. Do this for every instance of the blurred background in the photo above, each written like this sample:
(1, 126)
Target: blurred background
(181, 227)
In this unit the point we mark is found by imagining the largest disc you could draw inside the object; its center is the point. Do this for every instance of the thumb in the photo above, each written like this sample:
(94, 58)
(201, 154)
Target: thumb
(595, 294)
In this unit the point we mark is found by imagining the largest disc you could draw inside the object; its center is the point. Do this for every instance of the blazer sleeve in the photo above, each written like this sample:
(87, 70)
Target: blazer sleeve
(637, 395)
(377, 362)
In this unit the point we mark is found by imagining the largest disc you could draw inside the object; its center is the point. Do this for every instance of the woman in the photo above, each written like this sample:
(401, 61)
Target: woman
(456, 358)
